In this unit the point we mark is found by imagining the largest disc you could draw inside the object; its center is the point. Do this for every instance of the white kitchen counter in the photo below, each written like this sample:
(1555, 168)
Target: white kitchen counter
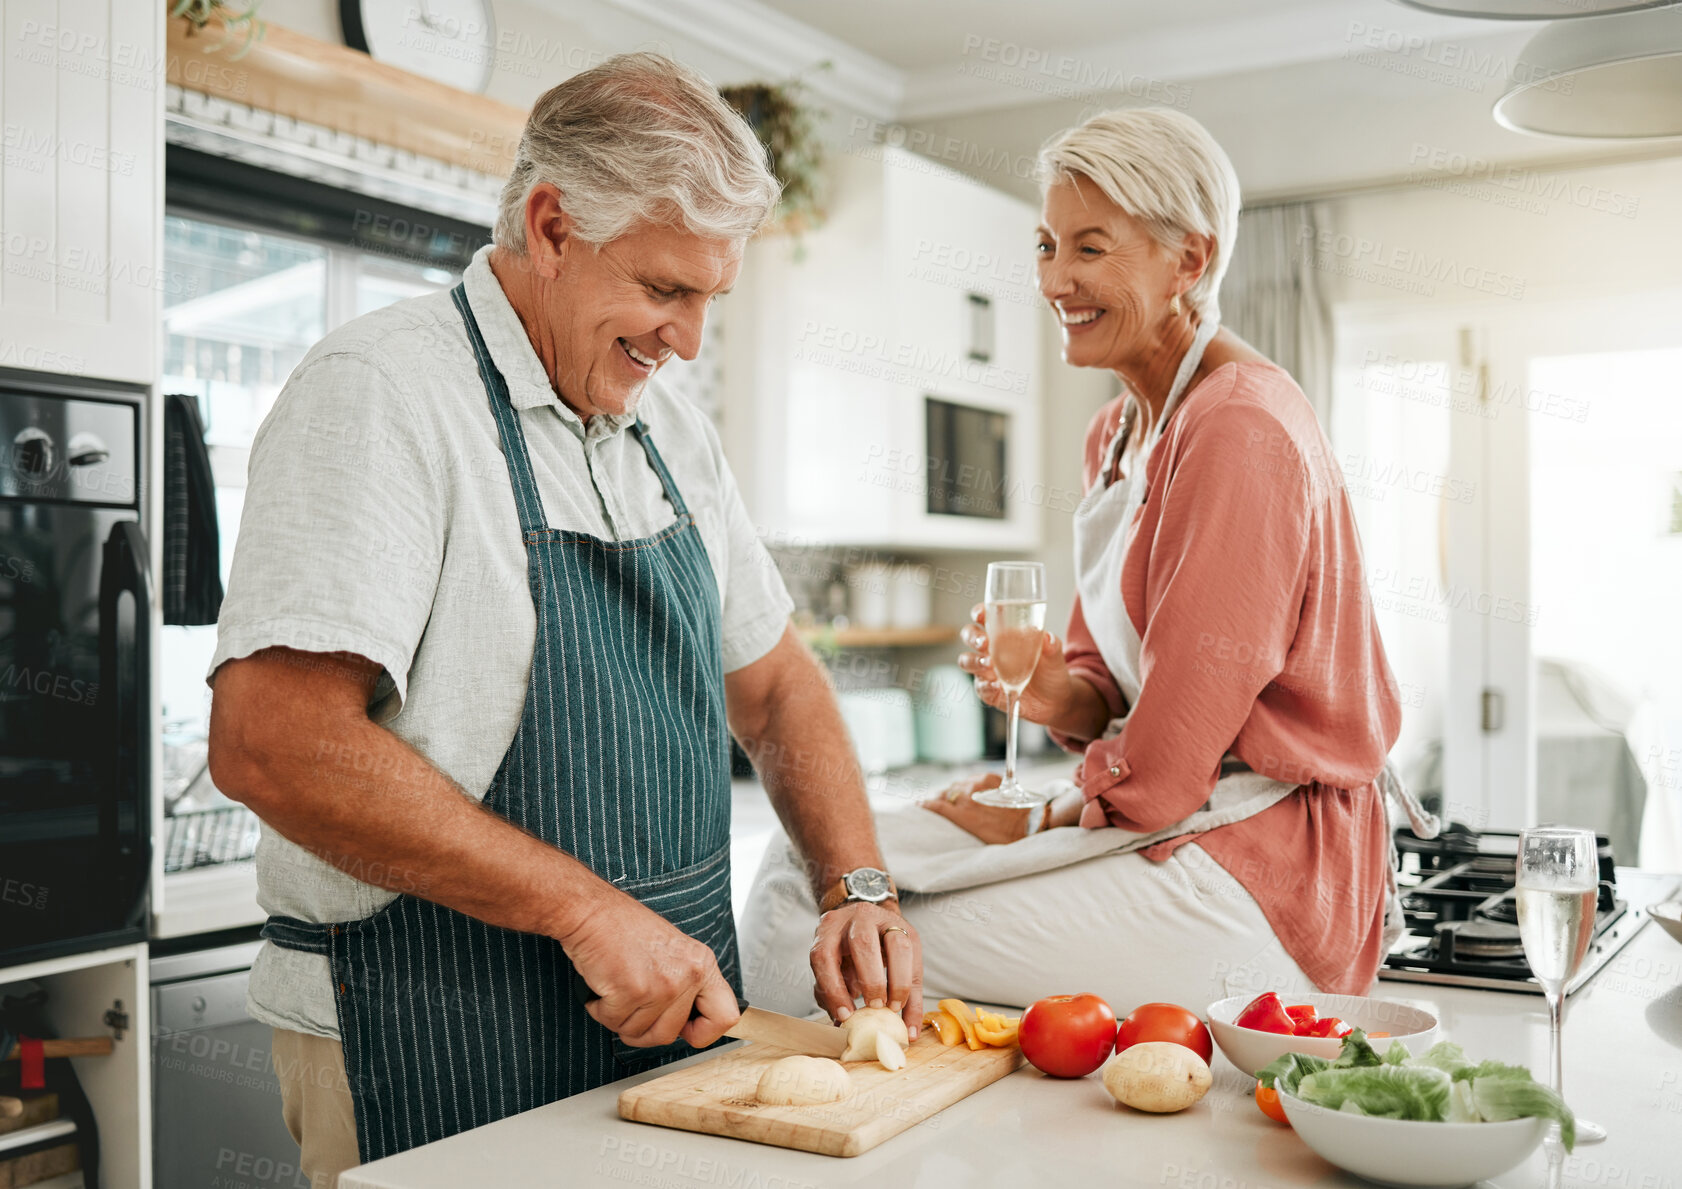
(1623, 1052)
(206, 899)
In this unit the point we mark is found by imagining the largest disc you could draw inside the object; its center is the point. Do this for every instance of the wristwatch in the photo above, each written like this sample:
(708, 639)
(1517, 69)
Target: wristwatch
(870, 885)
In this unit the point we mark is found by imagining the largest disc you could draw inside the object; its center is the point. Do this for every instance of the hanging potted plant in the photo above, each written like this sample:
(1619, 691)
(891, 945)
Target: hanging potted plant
(242, 23)
(788, 129)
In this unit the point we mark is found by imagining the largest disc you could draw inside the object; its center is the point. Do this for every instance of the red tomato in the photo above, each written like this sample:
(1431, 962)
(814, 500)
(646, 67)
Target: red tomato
(1067, 1036)
(1165, 1021)
(1266, 1014)
(1268, 1100)
(1329, 1026)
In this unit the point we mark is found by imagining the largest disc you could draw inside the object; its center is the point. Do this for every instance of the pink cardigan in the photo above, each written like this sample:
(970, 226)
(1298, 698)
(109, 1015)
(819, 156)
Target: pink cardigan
(1245, 582)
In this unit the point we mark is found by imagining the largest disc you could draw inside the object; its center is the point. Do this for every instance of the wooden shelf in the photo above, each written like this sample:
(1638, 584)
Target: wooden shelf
(880, 637)
(295, 75)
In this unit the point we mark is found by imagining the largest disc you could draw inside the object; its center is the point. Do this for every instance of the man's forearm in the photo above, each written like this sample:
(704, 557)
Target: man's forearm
(363, 800)
(807, 765)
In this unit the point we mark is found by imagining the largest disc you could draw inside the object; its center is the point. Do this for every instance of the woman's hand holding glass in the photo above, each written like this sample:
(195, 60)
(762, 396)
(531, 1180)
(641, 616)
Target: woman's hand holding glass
(1054, 697)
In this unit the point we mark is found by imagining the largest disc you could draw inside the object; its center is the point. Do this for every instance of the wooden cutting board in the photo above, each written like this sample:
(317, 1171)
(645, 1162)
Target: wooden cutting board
(717, 1097)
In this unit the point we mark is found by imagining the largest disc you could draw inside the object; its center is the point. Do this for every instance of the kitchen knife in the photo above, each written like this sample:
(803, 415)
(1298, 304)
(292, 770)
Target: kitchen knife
(763, 1027)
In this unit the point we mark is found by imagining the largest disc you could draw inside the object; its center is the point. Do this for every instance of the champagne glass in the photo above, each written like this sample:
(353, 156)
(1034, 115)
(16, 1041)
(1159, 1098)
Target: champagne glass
(1015, 604)
(1558, 884)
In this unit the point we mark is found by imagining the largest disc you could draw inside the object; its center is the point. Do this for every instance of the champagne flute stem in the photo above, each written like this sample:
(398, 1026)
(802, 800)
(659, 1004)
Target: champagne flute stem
(1556, 1021)
(1014, 703)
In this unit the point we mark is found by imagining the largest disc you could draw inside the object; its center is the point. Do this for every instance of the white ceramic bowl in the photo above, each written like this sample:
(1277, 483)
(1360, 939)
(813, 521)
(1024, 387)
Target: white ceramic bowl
(1251, 1050)
(1668, 916)
(1404, 1152)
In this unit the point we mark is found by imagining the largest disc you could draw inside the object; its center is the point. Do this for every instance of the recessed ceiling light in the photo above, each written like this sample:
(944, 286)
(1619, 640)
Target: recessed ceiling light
(1612, 76)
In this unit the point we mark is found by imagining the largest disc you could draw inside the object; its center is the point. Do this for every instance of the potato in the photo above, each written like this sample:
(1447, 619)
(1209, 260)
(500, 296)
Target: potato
(803, 1081)
(1157, 1076)
(861, 1028)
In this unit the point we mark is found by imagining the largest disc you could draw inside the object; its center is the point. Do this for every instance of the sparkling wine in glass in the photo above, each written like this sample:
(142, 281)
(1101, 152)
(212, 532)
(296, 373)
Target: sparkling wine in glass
(1558, 885)
(1015, 604)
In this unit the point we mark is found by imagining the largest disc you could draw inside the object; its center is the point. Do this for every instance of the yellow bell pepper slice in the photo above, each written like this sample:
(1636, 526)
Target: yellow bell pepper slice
(951, 1032)
(997, 1030)
(961, 1012)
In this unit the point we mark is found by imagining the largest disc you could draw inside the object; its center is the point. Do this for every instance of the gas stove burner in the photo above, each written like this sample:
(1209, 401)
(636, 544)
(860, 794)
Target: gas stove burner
(1504, 910)
(1462, 922)
(1480, 939)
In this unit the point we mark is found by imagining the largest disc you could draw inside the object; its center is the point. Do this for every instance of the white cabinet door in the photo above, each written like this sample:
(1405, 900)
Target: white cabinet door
(965, 305)
(835, 346)
(81, 186)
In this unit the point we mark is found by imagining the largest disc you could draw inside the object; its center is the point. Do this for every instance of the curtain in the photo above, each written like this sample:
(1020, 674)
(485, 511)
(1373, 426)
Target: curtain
(1274, 295)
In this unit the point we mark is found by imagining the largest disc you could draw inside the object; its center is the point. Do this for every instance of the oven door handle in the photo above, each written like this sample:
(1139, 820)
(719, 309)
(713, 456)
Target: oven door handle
(125, 664)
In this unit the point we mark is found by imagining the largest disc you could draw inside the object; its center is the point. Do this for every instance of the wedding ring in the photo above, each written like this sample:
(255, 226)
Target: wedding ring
(895, 929)
(953, 793)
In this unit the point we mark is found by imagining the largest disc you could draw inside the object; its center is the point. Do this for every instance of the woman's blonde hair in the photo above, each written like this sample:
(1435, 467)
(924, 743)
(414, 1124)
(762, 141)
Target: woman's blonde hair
(1163, 168)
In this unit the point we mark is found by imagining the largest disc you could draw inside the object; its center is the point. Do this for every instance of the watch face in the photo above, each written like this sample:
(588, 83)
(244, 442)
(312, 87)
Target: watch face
(867, 883)
(450, 41)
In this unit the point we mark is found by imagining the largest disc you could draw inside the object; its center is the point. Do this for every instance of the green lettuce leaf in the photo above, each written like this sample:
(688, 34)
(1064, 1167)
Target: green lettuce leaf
(1397, 1054)
(1285, 1072)
(1501, 1098)
(1446, 1056)
(1357, 1052)
(1389, 1091)
(1461, 1108)
(1495, 1070)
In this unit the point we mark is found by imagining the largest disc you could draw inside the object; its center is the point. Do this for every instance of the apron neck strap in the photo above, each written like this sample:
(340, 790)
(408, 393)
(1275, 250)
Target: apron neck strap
(508, 428)
(514, 453)
(1176, 392)
(659, 465)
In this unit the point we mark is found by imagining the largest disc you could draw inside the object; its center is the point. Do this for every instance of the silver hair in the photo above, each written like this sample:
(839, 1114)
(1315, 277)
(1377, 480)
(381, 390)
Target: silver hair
(640, 137)
(1163, 168)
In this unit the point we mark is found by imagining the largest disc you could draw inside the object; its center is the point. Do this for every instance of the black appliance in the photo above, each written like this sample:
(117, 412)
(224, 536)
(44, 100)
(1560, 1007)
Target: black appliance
(75, 672)
(1462, 919)
(967, 459)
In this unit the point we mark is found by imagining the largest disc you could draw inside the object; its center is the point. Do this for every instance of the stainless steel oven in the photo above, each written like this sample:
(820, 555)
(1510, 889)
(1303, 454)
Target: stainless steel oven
(75, 711)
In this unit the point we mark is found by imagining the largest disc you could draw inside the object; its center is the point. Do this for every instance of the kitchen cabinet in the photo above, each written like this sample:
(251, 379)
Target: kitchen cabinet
(919, 286)
(91, 994)
(81, 187)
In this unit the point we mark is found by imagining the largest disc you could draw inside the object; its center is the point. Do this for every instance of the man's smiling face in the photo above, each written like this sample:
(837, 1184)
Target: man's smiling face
(616, 313)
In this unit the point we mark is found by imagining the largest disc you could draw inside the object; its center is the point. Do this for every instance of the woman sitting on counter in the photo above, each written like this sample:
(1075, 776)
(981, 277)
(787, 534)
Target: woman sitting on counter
(1223, 677)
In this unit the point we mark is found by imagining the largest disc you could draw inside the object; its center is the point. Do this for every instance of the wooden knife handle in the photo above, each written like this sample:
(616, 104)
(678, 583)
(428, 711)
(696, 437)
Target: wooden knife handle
(86, 1046)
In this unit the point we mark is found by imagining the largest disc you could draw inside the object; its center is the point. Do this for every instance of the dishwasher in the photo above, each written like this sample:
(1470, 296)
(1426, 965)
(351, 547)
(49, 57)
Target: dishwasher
(215, 1099)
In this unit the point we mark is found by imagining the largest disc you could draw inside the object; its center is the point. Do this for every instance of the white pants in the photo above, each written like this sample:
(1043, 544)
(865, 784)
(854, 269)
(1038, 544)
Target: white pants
(1133, 931)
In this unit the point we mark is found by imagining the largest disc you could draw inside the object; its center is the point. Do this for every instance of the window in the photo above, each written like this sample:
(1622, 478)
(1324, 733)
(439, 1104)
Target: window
(253, 304)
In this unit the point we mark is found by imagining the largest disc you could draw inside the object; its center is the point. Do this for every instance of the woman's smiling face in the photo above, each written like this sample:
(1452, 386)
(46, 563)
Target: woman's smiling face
(1107, 278)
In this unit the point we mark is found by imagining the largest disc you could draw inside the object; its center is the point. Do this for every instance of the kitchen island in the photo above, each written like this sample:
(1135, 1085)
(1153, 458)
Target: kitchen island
(1623, 1054)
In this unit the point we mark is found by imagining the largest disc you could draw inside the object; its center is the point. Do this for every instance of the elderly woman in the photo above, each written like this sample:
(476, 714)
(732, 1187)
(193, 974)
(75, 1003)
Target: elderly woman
(1223, 676)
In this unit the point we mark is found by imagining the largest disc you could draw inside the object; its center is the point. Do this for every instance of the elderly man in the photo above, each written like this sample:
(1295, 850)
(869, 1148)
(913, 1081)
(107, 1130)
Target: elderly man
(495, 609)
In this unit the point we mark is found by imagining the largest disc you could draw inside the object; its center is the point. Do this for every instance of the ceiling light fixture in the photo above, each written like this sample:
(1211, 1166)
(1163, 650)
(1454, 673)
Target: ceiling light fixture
(1608, 76)
(1530, 10)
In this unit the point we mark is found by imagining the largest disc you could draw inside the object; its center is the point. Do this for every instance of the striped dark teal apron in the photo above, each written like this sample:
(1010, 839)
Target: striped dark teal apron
(621, 760)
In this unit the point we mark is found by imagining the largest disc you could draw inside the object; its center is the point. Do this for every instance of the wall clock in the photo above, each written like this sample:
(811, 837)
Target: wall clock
(450, 41)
